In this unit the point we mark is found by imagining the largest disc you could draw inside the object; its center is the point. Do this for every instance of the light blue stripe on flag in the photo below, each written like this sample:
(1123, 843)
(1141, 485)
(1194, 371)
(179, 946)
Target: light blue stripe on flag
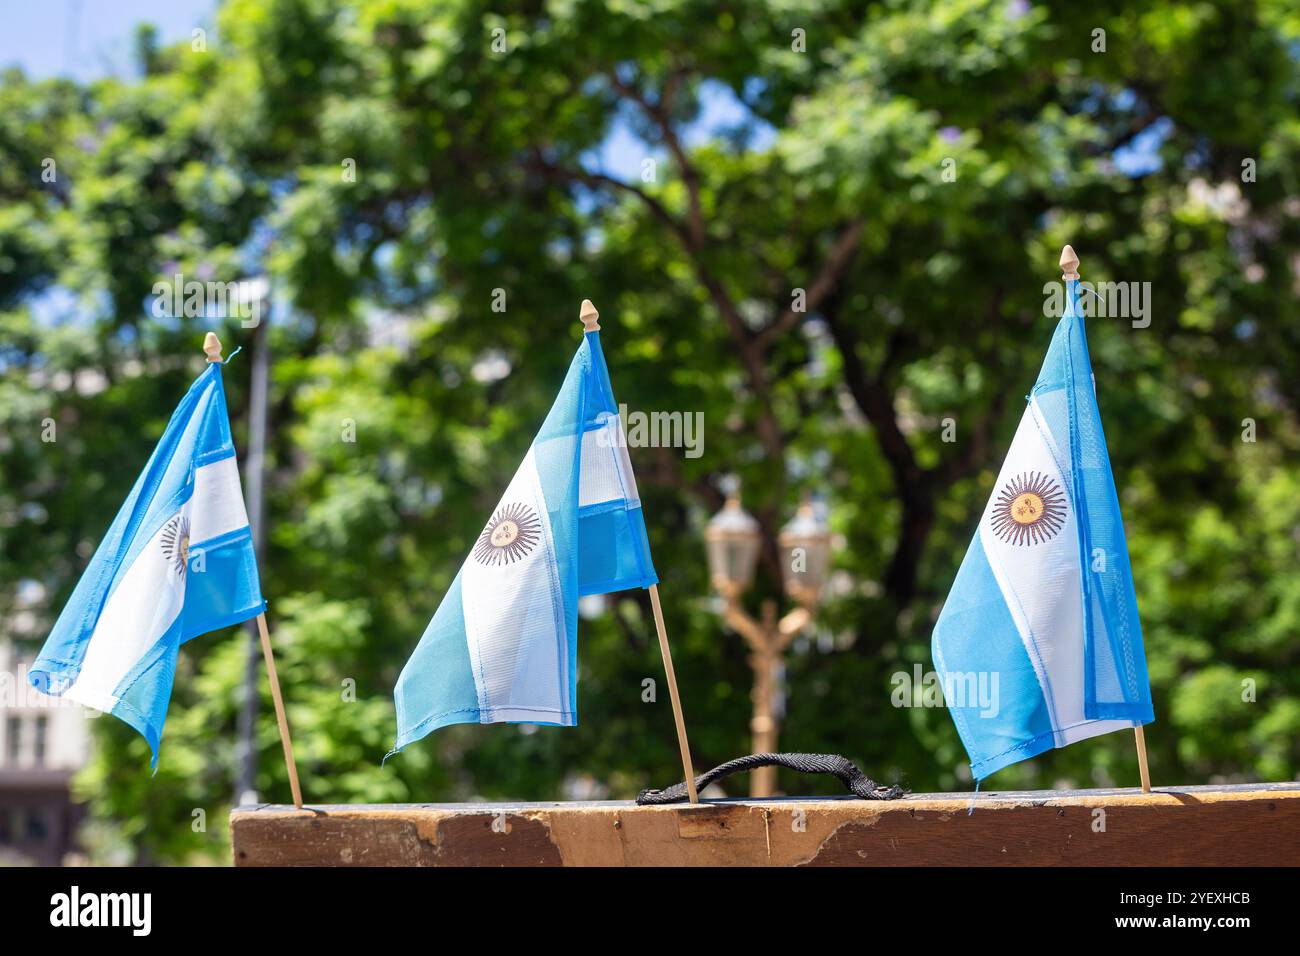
(502, 646)
(177, 562)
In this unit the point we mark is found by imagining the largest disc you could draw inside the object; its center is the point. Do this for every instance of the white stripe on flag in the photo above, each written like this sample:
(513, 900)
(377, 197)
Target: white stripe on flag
(606, 467)
(222, 510)
(151, 592)
(138, 612)
(1040, 581)
(514, 616)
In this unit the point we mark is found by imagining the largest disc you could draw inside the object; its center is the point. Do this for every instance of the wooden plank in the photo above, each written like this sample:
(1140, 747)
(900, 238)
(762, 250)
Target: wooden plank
(1244, 825)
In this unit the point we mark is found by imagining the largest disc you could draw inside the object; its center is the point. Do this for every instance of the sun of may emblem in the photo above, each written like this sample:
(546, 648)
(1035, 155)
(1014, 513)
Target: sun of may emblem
(1030, 509)
(176, 542)
(512, 534)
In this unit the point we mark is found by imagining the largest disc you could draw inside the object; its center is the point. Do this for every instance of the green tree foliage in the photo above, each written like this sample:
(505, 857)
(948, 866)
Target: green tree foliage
(397, 167)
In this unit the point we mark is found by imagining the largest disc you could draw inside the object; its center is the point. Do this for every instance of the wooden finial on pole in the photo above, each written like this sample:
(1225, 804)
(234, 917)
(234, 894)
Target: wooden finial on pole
(590, 317)
(212, 347)
(1069, 264)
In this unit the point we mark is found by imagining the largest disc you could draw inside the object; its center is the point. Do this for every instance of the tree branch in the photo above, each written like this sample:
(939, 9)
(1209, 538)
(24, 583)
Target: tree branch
(913, 484)
(842, 253)
(596, 180)
(660, 114)
(974, 452)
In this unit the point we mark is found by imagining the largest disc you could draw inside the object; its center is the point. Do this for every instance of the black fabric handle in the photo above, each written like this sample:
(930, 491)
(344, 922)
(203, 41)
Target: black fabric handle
(858, 783)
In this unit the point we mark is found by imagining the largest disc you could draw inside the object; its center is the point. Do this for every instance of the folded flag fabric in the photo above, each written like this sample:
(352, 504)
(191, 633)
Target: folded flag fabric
(502, 646)
(1039, 645)
(177, 562)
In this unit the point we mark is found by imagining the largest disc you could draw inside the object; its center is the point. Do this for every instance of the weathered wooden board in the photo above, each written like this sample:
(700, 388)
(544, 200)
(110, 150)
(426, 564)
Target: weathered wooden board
(1246, 825)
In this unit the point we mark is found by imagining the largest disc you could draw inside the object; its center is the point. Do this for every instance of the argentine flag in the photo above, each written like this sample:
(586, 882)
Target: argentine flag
(502, 646)
(1038, 644)
(177, 562)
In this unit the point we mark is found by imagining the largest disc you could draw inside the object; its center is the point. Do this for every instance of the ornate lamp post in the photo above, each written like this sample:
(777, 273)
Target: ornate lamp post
(733, 540)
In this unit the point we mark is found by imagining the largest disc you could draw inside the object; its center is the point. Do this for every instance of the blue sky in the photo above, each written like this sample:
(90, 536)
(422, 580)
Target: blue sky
(88, 39)
(85, 39)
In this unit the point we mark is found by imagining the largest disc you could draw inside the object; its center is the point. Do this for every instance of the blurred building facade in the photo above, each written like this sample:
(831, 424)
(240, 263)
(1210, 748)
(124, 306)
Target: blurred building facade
(44, 741)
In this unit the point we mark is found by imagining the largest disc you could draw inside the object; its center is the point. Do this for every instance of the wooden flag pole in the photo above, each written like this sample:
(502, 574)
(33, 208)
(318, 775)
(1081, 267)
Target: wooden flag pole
(672, 693)
(1142, 758)
(1070, 270)
(212, 349)
(591, 323)
(279, 711)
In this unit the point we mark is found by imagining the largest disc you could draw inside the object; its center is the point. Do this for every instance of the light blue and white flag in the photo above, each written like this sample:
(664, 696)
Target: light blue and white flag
(177, 562)
(1038, 644)
(502, 646)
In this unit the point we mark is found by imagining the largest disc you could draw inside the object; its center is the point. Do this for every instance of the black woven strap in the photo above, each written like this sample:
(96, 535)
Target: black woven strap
(858, 783)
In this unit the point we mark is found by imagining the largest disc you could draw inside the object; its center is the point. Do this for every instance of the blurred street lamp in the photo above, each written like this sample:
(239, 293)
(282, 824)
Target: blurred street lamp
(805, 544)
(733, 540)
